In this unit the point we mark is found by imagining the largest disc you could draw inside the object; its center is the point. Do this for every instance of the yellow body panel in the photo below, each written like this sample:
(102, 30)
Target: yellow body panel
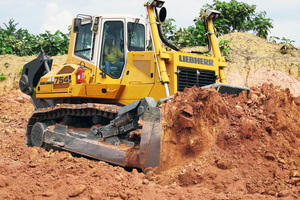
(145, 73)
(140, 78)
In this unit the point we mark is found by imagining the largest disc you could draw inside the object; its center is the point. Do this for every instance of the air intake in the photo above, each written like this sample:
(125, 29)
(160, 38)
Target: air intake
(188, 77)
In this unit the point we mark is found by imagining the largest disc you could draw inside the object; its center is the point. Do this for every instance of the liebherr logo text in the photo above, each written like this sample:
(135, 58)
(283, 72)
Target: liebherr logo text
(195, 60)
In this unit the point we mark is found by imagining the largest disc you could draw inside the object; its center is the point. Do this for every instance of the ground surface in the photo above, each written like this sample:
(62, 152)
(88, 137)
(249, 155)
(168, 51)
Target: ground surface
(216, 147)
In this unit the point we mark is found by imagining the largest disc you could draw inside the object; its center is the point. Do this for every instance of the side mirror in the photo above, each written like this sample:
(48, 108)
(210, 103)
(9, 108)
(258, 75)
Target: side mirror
(77, 25)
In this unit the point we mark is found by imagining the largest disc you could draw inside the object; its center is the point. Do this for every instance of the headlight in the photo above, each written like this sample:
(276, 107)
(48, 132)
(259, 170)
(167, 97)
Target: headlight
(156, 3)
(212, 14)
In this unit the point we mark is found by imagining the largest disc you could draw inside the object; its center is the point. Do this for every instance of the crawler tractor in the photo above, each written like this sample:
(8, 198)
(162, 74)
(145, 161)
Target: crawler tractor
(111, 112)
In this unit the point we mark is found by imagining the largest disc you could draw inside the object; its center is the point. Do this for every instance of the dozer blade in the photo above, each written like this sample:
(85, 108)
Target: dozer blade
(60, 138)
(112, 142)
(228, 88)
(150, 146)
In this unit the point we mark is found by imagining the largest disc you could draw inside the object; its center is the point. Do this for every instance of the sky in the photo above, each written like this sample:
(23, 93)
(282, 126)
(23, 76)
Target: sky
(39, 15)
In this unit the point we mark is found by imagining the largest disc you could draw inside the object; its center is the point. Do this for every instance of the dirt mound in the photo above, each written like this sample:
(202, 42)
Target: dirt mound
(250, 53)
(278, 78)
(234, 145)
(226, 147)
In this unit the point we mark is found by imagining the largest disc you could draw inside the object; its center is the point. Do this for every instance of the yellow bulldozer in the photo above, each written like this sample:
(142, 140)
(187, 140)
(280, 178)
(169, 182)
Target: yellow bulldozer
(104, 102)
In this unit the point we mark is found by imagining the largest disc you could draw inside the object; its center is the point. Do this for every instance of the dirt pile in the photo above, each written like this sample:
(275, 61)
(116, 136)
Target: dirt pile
(234, 145)
(255, 61)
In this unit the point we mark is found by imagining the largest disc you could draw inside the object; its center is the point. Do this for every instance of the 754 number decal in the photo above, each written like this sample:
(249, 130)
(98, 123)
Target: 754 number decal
(61, 80)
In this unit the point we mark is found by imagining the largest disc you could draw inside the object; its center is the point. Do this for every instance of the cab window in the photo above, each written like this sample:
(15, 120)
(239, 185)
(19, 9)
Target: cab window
(136, 37)
(84, 42)
(112, 53)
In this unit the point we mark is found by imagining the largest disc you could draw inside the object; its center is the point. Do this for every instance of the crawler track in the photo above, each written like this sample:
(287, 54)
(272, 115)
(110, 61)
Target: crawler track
(57, 113)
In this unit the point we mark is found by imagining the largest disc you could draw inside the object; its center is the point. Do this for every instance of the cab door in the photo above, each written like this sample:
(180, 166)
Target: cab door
(112, 57)
(108, 70)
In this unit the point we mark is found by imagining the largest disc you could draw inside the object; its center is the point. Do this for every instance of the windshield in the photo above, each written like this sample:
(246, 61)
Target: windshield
(136, 37)
(83, 44)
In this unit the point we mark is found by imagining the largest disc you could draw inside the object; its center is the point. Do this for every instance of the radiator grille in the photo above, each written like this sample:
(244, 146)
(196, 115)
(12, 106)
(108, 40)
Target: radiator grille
(188, 77)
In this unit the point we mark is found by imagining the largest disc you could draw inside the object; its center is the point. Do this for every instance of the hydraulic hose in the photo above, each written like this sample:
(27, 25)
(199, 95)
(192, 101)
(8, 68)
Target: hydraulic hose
(166, 42)
(161, 35)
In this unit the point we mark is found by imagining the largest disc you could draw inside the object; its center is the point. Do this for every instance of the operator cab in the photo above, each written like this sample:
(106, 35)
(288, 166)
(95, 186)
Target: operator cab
(104, 41)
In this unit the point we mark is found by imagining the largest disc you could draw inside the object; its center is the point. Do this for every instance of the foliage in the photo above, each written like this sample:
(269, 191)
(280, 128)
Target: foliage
(191, 36)
(20, 42)
(287, 46)
(2, 77)
(240, 17)
(169, 29)
(54, 44)
(273, 39)
(287, 41)
(225, 48)
(283, 40)
(262, 25)
(235, 16)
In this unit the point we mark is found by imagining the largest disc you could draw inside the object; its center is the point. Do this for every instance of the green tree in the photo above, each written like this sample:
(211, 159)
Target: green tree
(262, 25)
(20, 42)
(169, 29)
(235, 16)
(183, 37)
(240, 17)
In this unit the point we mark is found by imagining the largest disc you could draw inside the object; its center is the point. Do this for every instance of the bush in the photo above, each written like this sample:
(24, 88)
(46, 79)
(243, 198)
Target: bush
(20, 42)
(2, 77)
